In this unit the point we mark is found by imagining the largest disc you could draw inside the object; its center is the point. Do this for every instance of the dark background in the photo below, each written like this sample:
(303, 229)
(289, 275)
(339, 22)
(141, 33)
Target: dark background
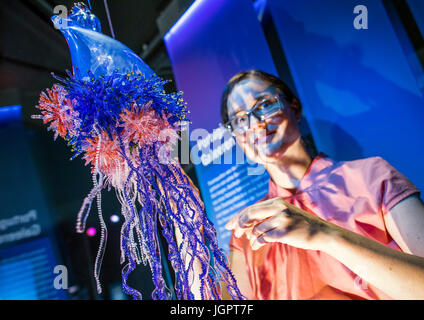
(30, 49)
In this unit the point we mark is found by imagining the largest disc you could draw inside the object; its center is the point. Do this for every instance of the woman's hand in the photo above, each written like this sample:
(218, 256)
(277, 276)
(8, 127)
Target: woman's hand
(276, 220)
(398, 274)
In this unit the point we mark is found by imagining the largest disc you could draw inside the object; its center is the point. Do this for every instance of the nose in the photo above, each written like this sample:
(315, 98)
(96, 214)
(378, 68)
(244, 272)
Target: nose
(257, 125)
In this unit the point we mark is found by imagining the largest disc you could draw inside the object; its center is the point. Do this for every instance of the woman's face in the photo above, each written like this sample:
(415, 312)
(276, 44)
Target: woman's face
(265, 141)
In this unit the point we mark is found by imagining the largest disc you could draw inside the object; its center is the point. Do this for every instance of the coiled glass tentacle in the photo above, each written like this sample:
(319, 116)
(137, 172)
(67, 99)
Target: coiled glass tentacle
(174, 188)
(128, 268)
(103, 239)
(103, 230)
(115, 121)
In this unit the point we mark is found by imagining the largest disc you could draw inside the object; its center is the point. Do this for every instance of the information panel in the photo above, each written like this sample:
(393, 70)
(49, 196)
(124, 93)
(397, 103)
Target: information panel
(27, 272)
(28, 250)
(212, 41)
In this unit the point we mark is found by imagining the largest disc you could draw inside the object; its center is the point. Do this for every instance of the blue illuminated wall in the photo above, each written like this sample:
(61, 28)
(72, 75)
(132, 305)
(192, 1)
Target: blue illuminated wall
(211, 42)
(417, 9)
(359, 94)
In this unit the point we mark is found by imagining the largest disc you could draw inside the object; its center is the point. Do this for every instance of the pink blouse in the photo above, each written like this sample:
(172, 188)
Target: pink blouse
(354, 195)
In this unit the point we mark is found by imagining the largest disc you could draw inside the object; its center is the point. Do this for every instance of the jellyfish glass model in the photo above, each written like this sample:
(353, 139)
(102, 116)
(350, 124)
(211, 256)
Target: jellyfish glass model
(113, 110)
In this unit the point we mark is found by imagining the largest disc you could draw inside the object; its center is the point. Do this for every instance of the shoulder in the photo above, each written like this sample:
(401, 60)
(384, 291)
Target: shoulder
(326, 170)
(365, 162)
(369, 168)
(365, 174)
(380, 178)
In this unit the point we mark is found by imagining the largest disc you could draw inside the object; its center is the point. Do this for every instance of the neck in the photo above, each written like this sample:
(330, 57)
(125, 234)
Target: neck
(290, 167)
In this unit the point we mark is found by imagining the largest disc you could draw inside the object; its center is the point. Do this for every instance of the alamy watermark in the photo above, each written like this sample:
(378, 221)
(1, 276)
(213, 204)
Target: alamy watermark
(361, 19)
(208, 148)
(60, 281)
(61, 19)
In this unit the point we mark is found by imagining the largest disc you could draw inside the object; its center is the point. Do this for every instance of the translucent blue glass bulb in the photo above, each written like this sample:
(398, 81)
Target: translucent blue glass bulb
(94, 51)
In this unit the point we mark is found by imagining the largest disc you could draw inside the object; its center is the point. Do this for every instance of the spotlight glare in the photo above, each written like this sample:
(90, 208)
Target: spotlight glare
(114, 218)
(91, 232)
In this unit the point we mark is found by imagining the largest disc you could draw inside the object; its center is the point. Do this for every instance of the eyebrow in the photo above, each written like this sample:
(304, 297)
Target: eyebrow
(263, 94)
(257, 96)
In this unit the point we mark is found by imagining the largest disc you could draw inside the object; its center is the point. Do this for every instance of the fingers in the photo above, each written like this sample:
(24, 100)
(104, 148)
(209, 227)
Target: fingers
(272, 220)
(264, 238)
(263, 228)
(267, 225)
(272, 230)
(255, 213)
(243, 222)
(232, 223)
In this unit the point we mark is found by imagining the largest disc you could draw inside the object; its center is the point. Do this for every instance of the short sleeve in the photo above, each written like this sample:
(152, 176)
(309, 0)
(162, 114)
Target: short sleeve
(389, 185)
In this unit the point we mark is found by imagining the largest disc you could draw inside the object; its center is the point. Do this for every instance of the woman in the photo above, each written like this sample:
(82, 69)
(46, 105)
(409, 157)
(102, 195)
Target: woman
(354, 229)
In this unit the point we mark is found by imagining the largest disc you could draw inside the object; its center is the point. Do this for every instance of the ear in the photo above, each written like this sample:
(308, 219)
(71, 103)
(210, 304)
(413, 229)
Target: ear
(297, 109)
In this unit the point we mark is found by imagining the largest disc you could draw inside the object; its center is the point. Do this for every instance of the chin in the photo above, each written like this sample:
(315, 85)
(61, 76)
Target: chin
(271, 153)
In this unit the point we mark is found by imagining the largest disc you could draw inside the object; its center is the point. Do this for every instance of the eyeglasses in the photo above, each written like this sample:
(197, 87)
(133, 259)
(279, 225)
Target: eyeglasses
(264, 109)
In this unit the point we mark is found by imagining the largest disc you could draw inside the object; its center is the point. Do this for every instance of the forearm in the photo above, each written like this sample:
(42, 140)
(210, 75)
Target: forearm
(399, 275)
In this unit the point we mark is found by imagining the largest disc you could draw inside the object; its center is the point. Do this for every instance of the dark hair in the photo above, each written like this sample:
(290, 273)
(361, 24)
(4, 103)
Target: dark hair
(273, 80)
